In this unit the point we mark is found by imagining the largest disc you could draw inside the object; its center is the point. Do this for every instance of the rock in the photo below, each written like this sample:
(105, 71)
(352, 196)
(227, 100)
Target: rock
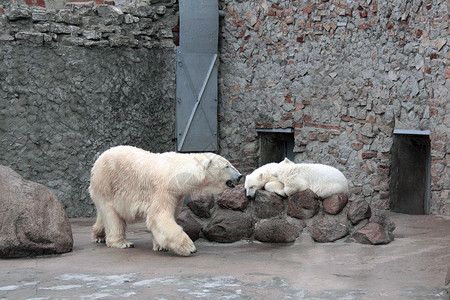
(325, 229)
(32, 220)
(359, 210)
(189, 224)
(201, 205)
(335, 203)
(229, 226)
(373, 233)
(234, 199)
(277, 230)
(268, 205)
(380, 217)
(303, 205)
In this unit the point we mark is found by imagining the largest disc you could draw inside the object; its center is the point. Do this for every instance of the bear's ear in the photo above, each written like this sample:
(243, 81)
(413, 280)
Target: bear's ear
(287, 161)
(206, 162)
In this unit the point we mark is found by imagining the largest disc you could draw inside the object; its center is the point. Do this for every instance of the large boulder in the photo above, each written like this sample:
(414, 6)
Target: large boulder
(268, 205)
(190, 225)
(234, 198)
(325, 229)
(335, 203)
(381, 218)
(276, 230)
(201, 205)
(229, 226)
(303, 205)
(373, 233)
(32, 220)
(359, 210)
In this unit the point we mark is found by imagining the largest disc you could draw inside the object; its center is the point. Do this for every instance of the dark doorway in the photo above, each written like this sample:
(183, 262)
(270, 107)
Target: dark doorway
(410, 172)
(275, 145)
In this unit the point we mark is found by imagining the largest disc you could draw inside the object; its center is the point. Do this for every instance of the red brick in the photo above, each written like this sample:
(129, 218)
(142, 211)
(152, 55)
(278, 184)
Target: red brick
(40, 3)
(346, 118)
(324, 137)
(2, 11)
(433, 111)
(363, 14)
(433, 55)
(367, 155)
(447, 73)
(313, 136)
(263, 125)
(437, 146)
(307, 118)
(288, 99)
(321, 125)
(357, 146)
(363, 139)
(298, 124)
(390, 26)
(272, 12)
(286, 116)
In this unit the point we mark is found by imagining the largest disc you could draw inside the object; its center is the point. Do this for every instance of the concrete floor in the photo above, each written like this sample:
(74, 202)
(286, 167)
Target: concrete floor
(411, 267)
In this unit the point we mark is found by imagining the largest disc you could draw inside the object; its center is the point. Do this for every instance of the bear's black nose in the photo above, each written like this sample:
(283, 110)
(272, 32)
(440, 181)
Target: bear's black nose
(239, 178)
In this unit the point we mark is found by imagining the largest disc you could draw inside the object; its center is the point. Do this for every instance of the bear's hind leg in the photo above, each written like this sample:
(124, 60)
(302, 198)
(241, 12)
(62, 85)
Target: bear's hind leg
(115, 227)
(98, 231)
(169, 235)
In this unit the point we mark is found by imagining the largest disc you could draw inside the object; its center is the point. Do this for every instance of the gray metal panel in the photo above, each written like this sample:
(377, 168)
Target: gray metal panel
(199, 25)
(196, 71)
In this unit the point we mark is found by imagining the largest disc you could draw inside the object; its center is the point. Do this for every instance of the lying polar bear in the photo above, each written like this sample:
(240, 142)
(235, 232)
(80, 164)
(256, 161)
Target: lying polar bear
(129, 184)
(287, 178)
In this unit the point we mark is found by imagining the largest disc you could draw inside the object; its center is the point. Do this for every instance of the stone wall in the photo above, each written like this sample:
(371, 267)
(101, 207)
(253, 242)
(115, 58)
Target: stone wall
(75, 82)
(343, 75)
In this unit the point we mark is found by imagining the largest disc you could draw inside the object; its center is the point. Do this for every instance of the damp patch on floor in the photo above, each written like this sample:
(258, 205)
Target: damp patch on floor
(133, 286)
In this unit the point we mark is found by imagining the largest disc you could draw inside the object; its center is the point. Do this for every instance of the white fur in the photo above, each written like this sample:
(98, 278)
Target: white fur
(129, 184)
(288, 178)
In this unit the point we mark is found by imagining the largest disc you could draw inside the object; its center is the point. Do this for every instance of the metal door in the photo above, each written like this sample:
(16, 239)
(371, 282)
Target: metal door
(196, 71)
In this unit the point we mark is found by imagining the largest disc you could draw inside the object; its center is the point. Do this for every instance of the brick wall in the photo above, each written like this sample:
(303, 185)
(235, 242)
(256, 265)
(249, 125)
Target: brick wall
(343, 75)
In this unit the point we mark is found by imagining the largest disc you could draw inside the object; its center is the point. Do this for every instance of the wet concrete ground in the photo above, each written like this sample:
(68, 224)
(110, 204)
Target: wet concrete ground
(413, 266)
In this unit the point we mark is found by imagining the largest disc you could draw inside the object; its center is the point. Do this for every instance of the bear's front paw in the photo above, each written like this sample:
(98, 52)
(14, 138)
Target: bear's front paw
(99, 240)
(186, 246)
(120, 244)
(157, 247)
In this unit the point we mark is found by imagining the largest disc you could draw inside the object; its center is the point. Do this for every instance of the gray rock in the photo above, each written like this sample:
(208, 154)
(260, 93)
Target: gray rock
(373, 233)
(381, 218)
(268, 205)
(229, 226)
(358, 210)
(335, 203)
(201, 205)
(303, 205)
(325, 229)
(191, 226)
(277, 230)
(32, 220)
(234, 199)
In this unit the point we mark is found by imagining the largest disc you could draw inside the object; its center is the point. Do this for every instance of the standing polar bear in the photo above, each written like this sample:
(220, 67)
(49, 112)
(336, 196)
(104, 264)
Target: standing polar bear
(287, 178)
(129, 184)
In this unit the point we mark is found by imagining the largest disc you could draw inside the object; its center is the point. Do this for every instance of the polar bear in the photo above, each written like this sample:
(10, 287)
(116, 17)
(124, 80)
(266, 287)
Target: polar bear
(287, 178)
(129, 184)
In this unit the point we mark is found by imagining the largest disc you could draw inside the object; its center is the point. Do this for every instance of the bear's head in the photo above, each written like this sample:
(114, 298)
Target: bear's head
(220, 174)
(258, 178)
